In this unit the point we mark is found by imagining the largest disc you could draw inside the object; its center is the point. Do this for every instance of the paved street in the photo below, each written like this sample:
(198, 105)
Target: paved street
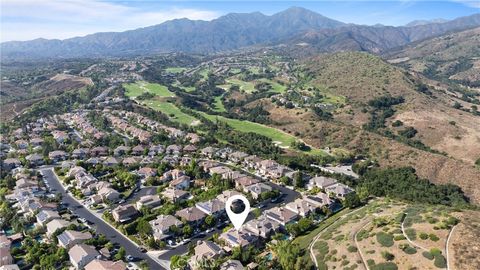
(100, 225)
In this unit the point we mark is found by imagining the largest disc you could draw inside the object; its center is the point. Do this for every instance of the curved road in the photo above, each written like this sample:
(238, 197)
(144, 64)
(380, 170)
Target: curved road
(100, 225)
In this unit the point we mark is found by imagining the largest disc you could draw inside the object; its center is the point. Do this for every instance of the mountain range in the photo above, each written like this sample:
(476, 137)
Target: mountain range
(234, 31)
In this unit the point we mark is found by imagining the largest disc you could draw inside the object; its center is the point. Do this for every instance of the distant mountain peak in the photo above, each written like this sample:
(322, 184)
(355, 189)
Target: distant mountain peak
(424, 22)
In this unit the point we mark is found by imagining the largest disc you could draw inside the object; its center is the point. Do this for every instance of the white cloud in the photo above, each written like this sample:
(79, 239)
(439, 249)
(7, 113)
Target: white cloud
(469, 3)
(29, 19)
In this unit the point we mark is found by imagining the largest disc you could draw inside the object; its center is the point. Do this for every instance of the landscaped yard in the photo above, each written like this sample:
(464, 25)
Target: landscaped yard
(136, 89)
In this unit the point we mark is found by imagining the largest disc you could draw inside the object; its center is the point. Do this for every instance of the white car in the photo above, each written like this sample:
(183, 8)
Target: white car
(129, 258)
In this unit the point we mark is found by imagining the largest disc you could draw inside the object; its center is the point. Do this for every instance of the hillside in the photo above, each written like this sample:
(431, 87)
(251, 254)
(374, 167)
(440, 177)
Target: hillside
(452, 57)
(234, 31)
(18, 96)
(438, 126)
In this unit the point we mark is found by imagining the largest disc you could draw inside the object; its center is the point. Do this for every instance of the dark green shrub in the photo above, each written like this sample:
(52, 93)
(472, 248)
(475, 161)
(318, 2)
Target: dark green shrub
(385, 239)
(428, 255)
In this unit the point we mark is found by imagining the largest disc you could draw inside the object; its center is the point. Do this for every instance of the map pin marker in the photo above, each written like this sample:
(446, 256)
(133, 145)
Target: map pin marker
(237, 219)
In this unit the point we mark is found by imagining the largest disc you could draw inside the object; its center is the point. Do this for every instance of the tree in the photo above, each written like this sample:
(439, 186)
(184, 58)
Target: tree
(351, 200)
(187, 230)
(298, 179)
(210, 221)
(120, 254)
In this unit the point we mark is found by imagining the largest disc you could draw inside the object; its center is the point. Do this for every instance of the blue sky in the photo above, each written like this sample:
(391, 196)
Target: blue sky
(30, 19)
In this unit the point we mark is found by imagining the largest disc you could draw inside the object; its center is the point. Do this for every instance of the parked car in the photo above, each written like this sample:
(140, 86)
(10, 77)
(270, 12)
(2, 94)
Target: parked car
(129, 258)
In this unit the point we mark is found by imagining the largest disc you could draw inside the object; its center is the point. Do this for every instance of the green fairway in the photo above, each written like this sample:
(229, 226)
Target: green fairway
(175, 69)
(219, 105)
(276, 87)
(281, 138)
(248, 87)
(173, 112)
(138, 88)
(186, 88)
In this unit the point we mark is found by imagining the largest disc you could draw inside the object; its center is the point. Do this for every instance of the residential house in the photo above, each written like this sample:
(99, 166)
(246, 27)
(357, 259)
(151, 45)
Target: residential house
(205, 250)
(148, 201)
(321, 182)
(45, 216)
(147, 172)
(240, 238)
(56, 224)
(251, 161)
(242, 183)
(227, 194)
(4, 241)
(257, 189)
(156, 150)
(98, 264)
(212, 207)
(220, 170)
(80, 153)
(192, 137)
(5, 256)
(340, 190)
(232, 265)
(182, 182)
(262, 227)
(138, 150)
(111, 162)
(36, 142)
(207, 164)
(21, 144)
(35, 159)
(209, 151)
(223, 153)
(69, 238)
(99, 151)
(11, 163)
(109, 194)
(57, 155)
(81, 255)
(174, 149)
(191, 215)
(162, 224)
(130, 161)
(321, 199)
(237, 156)
(302, 207)
(190, 148)
(121, 150)
(124, 213)
(9, 266)
(281, 215)
(175, 195)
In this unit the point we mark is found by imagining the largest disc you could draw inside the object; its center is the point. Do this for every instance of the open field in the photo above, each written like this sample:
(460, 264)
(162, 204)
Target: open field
(138, 88)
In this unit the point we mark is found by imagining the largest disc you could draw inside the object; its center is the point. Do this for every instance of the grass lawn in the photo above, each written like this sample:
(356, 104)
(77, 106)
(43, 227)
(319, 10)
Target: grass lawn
(204, 73)
(175, 69)
(138, 88)
(219, 105)
(171, 110)
(276, 135)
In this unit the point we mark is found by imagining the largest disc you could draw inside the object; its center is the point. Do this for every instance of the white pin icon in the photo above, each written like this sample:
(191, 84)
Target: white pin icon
(237, 219)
